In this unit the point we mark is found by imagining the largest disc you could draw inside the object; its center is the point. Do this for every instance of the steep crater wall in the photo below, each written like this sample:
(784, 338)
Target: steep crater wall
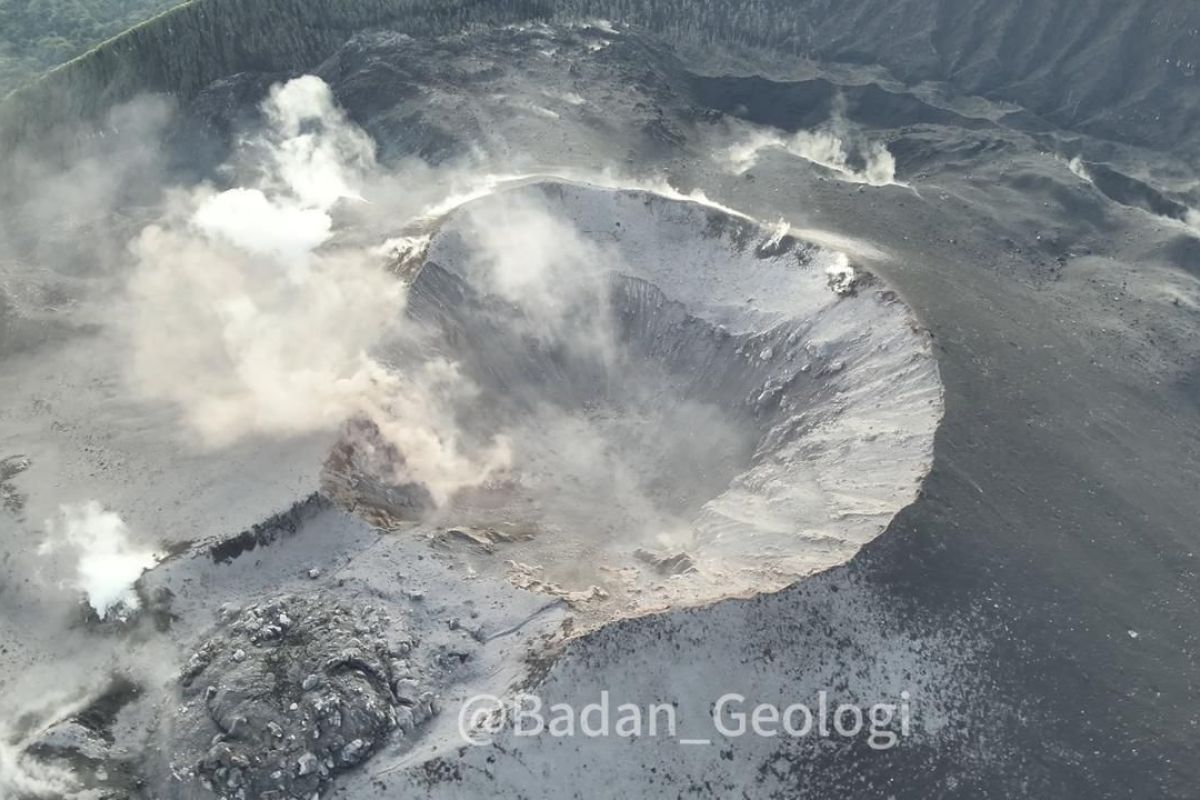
(697, 407)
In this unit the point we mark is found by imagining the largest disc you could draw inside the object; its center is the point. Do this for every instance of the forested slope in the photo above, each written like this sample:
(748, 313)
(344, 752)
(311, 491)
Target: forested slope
(36, 35)
(1120, 69)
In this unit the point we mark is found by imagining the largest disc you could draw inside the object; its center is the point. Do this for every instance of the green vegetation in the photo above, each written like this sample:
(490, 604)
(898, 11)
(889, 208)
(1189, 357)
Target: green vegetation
(36, 35)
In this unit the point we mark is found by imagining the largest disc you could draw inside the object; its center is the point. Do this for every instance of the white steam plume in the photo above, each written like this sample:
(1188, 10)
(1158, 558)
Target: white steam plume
(107, 563)
(244, 321)
(835, 146)
(1077, 167)
(24, 776)
(319, 155)
(527, 256)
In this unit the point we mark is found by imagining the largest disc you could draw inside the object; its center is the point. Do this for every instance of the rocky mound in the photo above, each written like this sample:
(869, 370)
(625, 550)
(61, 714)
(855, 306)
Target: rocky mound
(289, 692)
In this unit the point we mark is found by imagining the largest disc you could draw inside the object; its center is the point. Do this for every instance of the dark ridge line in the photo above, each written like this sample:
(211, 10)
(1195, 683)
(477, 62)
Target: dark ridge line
(262, 534)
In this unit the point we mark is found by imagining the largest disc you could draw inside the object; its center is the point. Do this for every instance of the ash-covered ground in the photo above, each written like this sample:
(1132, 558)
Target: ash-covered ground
(554, 359)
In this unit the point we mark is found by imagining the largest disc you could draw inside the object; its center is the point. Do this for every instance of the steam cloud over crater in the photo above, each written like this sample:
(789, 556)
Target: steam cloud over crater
(697, 406)
(242, 320)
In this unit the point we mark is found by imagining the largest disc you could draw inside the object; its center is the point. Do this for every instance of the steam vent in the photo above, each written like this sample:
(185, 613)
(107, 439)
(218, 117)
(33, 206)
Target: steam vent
(698, 406)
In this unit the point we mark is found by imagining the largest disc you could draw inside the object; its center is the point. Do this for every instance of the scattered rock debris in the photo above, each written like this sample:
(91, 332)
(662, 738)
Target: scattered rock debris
(296, 690)
(485, 540)
(11, 499)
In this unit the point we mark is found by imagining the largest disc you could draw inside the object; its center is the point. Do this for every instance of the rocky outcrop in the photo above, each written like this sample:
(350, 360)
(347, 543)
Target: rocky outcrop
(293, 691)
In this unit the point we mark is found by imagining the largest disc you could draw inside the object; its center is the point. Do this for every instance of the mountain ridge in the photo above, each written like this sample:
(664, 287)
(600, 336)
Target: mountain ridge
(1120, 71)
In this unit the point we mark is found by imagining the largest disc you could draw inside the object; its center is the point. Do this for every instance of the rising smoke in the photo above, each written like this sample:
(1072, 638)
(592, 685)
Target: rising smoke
(246, 320)
(107, 563)
(836, 145)
(243, 314)
(526, 256)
